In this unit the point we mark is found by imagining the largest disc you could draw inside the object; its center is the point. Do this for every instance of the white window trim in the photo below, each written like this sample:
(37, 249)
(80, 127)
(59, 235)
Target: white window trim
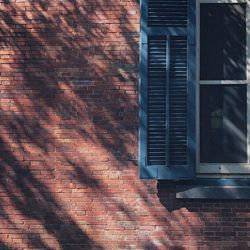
(222, 168)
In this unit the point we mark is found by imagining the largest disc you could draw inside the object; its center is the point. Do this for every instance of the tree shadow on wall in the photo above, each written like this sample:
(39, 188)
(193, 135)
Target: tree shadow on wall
(68, 89)
(5, 247)
(209, 223)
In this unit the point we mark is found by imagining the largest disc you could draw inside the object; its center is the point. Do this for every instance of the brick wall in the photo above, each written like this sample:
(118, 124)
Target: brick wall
(69, 138)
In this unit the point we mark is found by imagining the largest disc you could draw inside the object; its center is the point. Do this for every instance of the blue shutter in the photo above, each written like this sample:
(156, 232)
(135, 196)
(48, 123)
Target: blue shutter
(167, 90)
(167, 13)
(157, 74)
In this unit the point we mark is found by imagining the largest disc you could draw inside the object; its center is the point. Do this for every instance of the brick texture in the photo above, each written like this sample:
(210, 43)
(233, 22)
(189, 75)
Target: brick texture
(69, 138)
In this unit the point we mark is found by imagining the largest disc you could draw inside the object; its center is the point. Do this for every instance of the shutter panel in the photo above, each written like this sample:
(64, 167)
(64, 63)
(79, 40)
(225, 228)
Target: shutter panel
(178, 101)
(156, 110)
(167, 13)
(167, 89)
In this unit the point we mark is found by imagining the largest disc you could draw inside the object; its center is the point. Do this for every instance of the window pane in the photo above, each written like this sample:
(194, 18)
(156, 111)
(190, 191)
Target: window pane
(223, 124)
(223, 41)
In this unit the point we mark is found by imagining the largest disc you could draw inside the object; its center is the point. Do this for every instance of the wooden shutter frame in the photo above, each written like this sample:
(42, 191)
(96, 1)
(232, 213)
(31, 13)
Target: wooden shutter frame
(164, 172)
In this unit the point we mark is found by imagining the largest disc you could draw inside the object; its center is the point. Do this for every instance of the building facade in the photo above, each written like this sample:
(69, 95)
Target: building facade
(69, 142)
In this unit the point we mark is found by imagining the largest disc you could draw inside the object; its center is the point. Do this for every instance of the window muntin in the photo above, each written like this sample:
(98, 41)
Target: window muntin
(223, 71)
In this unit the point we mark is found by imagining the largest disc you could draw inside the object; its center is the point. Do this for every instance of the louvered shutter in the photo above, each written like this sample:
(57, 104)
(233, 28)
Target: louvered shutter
(167, 89)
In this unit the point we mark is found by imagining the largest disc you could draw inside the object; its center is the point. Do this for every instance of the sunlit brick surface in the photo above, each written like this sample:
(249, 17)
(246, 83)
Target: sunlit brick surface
(69, 138)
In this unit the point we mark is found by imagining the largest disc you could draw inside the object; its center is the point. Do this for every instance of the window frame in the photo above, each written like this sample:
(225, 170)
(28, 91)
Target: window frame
(222, 169)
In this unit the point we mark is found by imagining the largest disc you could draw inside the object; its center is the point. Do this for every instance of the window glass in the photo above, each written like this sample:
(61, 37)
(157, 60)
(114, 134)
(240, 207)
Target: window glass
(223, 124)
(222, 41)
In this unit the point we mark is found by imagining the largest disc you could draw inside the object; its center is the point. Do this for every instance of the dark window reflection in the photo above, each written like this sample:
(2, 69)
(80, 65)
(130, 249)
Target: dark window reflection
(223, 124)
(223, 41)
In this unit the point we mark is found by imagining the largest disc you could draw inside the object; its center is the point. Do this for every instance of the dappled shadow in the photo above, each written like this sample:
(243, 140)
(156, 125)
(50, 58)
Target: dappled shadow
(219, 224)
(5, 247)
(68, 95)
(68, 142)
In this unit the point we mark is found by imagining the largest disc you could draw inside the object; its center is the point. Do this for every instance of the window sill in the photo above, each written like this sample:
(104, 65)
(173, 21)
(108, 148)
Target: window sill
(223, 168)
(217, 189)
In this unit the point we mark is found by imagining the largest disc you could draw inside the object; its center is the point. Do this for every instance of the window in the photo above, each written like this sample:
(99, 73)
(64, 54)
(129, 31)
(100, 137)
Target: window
(195, 96)
(223, 91)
